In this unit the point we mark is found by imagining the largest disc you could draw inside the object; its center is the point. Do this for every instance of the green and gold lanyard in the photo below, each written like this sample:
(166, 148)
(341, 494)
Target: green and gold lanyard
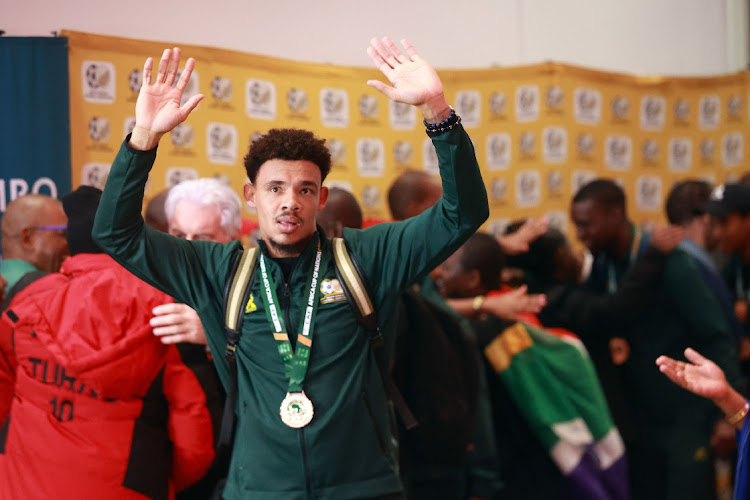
(611, 274)
(296, 409)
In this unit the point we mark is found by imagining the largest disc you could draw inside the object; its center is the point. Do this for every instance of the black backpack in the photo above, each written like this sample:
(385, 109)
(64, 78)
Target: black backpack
(436, 368)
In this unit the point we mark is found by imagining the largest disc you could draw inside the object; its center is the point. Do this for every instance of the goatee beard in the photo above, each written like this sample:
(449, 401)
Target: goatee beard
(288, 249)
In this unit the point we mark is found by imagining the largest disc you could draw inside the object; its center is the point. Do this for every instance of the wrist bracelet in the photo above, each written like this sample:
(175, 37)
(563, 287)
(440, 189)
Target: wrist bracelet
(435, 129)
(737, 417)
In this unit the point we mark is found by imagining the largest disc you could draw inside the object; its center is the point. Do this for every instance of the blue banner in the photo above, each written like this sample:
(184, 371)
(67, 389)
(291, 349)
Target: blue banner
(35, 124)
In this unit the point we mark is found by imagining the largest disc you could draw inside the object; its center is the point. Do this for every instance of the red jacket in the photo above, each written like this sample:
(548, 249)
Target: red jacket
(101, 408)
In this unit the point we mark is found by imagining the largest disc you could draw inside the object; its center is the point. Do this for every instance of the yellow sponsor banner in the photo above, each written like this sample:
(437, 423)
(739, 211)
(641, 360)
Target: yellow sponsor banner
(539, 131)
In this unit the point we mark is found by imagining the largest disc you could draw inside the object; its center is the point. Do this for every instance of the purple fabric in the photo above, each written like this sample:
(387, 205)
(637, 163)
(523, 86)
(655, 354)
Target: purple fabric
(589, 481)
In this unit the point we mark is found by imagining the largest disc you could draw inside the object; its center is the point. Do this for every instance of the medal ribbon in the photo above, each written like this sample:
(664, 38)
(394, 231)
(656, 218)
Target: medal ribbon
(612, 275)
(295, 362)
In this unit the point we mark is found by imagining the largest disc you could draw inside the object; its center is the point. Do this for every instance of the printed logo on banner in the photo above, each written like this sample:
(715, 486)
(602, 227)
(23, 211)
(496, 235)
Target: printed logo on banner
(128, 126)
(370, 157)
(554, 97)
(191, 88)
(337, 149)
(403, 153)
(554, 144)
(182, 136)
(708, 150)
(297, 100)
(558, 220)
(429, 157)
(403, 116)
(587, 106)
(98, 81)
(618, 152)
(710, 110)
(498, 105)
(468, 108)
(732, 149)
(371, 197)
(680, 154)
(498, 151)
(497, 227)
(580, 178)
(648, 189)
(621, 108)
(221, 89)
(650, 151)
(499, 190)
(334, 107)
(368, 106)
(135, 81)
(681, 112)
(527, 143)
(585, 145)
(734, 107)
(653, 111)
(95, 174)
(555, 183)
(345, 185)
(527, 103)
(260, 101)
(99, 129)
(528, 188)
(175, 175)
(221, 143)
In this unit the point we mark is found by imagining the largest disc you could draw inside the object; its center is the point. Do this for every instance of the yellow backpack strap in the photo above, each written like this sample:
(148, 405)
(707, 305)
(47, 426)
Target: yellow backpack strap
(351, 278)
(236, 295)
(238, 288)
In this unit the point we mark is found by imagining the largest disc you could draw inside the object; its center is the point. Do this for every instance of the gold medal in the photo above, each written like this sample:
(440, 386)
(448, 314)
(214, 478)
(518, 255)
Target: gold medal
(296, 410)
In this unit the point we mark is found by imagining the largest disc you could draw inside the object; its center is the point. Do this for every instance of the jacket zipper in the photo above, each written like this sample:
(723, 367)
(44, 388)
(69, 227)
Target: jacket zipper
(303, 447)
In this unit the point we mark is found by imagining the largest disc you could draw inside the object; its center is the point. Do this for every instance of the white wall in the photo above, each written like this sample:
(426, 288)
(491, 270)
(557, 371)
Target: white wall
(679, 37)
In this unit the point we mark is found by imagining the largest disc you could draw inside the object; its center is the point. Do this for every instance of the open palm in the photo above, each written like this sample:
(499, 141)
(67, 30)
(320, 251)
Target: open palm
(158, 108)
(414, 81)
(700, 376)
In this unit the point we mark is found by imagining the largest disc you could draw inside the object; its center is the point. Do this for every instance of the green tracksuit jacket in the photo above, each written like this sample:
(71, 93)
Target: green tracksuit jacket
(347, 449)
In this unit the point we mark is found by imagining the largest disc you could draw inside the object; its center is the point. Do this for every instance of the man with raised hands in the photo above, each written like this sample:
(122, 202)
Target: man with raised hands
(332, 437)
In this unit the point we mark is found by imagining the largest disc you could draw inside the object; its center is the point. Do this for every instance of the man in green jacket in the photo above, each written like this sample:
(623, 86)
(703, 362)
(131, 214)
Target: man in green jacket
(344, 446)
(669, 445)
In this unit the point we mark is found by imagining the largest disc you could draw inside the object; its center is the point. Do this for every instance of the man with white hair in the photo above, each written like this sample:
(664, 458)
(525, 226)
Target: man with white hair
(204, 209)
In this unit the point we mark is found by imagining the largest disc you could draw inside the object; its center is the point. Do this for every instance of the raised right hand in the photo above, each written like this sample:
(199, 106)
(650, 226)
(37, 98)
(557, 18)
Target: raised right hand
(158, 109)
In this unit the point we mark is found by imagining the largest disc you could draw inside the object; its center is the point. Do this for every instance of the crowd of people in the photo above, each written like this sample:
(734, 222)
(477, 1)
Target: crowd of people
(488, 367)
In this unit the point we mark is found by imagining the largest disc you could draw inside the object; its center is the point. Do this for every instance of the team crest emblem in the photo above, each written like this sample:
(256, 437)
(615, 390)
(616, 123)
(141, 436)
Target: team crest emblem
(332, 291)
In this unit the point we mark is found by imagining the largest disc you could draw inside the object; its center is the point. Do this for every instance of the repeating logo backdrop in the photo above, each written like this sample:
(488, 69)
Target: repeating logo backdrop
(540, 131)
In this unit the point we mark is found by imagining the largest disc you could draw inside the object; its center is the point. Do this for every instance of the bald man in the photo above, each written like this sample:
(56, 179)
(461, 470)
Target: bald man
(33, 237)
(341, 210)
(412, 193)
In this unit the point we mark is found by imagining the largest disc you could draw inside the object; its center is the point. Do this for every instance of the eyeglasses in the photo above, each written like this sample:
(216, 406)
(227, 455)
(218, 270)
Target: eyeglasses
(62, 228)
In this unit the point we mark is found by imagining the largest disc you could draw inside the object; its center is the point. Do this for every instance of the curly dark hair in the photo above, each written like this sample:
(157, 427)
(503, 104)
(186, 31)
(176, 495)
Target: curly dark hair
(287, 144)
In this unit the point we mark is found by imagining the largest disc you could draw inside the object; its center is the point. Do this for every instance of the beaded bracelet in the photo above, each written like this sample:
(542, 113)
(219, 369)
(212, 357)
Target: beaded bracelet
(435, 129)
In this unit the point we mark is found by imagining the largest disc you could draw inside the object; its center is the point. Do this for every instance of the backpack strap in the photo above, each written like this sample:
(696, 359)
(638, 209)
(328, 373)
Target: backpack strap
(22, 283)
(352, 281)
(236, 296)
